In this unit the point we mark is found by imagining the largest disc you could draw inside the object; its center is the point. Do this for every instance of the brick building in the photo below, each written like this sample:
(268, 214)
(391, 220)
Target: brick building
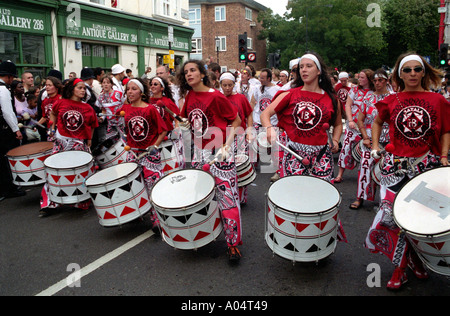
(218, 23)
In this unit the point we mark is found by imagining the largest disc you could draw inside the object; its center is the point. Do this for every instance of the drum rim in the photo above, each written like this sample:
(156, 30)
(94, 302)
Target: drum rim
(208, 196)
(69, 168)
(111, 181)
(308, 214)
(407, 230)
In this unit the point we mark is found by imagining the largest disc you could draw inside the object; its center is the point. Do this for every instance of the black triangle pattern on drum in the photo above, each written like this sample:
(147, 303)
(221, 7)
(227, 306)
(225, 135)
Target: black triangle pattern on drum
(114, 153)
(203, 211)
(183, 219)
(313, 248)
(273, 238)
(164, 217)
(330, 242)
(108, 194)
(34, 178)
(19, 179)
(93, 195)
(78, 192)
(61, 193)
(139, 179)
(442, 263)
(290, 247)
(126, 187)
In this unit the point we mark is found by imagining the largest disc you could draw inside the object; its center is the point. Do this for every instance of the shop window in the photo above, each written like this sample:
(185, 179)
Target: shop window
(9, 47)
(95, 55)
(33, 48)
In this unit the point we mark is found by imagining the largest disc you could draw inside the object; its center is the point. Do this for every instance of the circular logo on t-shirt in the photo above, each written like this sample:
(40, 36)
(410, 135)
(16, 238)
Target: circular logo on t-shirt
(264, 103)
(73, 120)
(138, 128)
(199, 122)
(306, 115)
(413, 122)
(342, 94)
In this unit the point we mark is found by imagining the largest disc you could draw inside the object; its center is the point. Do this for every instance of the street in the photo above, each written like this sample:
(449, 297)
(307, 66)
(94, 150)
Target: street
(38, 255)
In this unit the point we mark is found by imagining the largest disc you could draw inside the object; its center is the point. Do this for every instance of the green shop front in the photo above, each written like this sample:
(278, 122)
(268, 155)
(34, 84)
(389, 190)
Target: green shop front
(26, 36)
(96, 37)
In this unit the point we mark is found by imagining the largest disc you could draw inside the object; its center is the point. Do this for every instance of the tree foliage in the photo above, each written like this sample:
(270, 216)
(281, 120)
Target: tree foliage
(342, 32)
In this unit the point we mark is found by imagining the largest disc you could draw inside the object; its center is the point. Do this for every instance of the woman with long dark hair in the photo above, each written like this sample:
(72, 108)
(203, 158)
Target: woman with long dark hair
(419, 131)
(209, 114)
(302, 113)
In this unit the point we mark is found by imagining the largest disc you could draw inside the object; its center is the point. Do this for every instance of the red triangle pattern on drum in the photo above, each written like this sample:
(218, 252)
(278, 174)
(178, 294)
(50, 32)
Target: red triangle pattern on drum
(143, 202)
(84, 174)
(279, 220)
(42, 158)
(70, 178)
(300, 227)
(322, 225)
(127, 210)
(108, 215)
(217, 223)
(13, 162)
(27, 163)
(56, 178)
(437, 246)
(178, 238)
(201, 235)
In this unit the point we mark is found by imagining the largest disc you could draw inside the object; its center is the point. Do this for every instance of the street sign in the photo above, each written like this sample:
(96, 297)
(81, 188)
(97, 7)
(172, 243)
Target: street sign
(251, 57)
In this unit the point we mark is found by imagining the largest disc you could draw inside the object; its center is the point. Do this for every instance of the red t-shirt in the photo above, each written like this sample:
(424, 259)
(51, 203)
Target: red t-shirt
(417, 124)
(302, 114)
(207, 111)
(167, 117)
(74, 119)
(342, 92)
(47, 105)
(243, 106)
(142, 125)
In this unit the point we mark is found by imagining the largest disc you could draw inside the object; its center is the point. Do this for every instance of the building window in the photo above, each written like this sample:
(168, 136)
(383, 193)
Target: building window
(221, 41)
(248, 14)
(98, 1)
(221, 14)
(97, 55)
(249, 43)
(196, 46)
(195, 16)
(166, 7)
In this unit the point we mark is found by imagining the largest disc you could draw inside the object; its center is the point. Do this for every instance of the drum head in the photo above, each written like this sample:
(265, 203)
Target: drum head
(304, 194)
(68, 159)
(111, 174)
(29, 149)
(182, 188)
(423, 205)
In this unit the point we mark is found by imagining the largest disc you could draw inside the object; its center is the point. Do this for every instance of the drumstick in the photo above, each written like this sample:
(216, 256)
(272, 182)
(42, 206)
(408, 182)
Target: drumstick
(326, 127)
(389, 148)
(122, 114)
(146, 151)
(161, 105)
(304, 161)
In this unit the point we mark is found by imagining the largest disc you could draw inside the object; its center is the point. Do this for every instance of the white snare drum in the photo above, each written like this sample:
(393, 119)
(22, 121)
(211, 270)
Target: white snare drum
(376, 172)
(245, 172)
(27, 163)
(119, 194)
(302, 225)
(169, 157)
(66, 172)
(185, 205)
(357, 151)
(110, 153)
(422, 209)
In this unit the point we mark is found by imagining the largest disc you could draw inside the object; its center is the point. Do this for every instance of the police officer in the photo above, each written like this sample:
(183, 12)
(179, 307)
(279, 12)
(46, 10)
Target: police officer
(10, 135)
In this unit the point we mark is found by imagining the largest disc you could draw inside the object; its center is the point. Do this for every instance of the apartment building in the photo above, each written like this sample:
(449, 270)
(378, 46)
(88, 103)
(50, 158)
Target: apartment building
(39, 35)
(217, 25)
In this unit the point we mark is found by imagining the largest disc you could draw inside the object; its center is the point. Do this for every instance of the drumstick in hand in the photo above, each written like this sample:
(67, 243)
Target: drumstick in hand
(304, 161)
(326, 127)
(162, 105)
(122, 114)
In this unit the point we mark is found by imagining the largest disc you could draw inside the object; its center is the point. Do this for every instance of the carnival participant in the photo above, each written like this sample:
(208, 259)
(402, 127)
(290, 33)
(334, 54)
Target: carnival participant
(284, 78)
(110, 101)
(73, 123)
(145, 130)
(209, 113)
(161, 91)
(352, 136)
(53, 90)
(302, 113)
(227, 83)
(419, 132)
(366, 188)
(342, 88)
(245, 87)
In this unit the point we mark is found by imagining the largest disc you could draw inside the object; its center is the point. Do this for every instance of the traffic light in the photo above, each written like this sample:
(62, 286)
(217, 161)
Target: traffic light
(276, 61)
(443, 54)
(242, 48)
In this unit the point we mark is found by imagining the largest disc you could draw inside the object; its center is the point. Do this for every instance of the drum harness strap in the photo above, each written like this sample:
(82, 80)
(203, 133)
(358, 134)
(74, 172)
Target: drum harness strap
(404, 165)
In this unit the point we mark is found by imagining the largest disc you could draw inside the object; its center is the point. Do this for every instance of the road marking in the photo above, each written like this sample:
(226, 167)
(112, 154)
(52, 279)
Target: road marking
(95, 265)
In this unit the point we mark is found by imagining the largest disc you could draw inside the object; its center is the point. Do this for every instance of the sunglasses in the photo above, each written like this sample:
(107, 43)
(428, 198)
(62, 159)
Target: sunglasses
(407, 70)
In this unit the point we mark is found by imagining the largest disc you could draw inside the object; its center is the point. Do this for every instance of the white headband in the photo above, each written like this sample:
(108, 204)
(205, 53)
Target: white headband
(343, 75)
(286, 73)
(160, 81)
(313, 58)
(138, 84)
(409, 58)
(228, 76)
(380, 76)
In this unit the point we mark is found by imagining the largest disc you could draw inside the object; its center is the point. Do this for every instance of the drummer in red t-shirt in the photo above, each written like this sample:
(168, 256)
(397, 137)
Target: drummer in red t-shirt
(209, 113)
(302, 112)
(72, 124)
(419, 131)
(227, 83)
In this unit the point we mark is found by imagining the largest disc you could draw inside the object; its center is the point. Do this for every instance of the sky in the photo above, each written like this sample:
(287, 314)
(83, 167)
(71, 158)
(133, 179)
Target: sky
(278, 6)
